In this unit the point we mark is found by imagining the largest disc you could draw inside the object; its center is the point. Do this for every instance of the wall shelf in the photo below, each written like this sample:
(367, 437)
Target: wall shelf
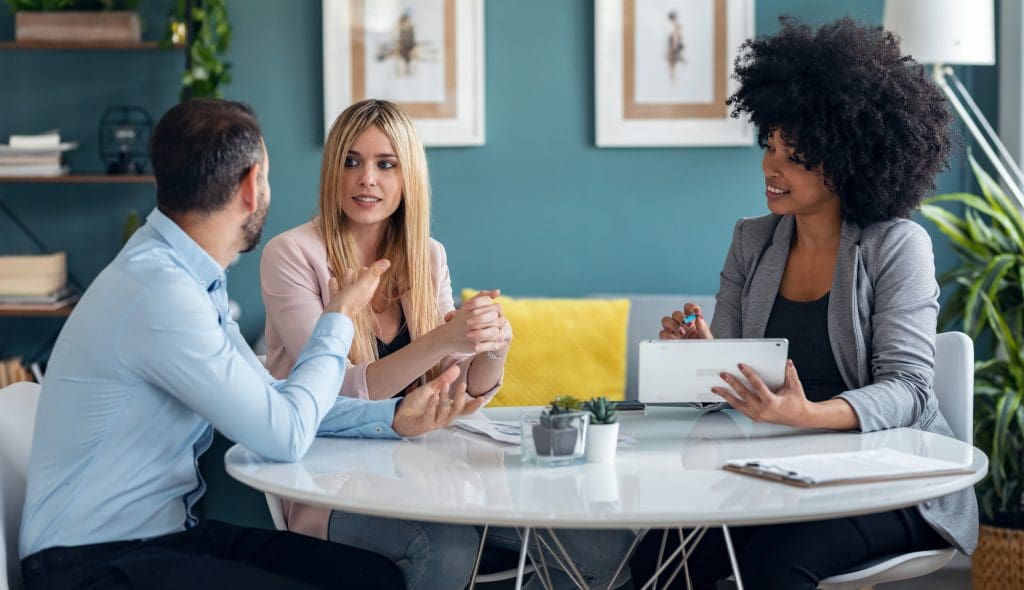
(84, 46)
(82, 179)
(59, 312)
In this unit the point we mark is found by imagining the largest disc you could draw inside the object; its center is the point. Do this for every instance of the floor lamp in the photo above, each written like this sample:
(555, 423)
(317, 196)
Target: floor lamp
(956, 32)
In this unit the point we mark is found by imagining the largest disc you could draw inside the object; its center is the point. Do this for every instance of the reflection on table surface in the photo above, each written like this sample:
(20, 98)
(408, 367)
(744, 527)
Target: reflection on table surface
(668, 471)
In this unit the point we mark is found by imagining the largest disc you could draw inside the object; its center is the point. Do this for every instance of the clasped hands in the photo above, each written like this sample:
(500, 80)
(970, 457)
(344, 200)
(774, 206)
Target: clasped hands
(479, 326)
(788, 405)
(428, 407)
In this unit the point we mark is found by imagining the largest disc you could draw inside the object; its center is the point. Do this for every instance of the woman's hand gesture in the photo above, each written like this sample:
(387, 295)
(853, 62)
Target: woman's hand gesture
(478, 326)
(686, 324)
(788, 405)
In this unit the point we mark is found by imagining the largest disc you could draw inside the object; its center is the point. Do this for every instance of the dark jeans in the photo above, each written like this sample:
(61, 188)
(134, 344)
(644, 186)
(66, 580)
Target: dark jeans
(789, 556)
(213, 555)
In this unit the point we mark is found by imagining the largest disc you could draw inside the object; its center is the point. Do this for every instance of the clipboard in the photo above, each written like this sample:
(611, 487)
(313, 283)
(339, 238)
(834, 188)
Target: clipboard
(832, 469)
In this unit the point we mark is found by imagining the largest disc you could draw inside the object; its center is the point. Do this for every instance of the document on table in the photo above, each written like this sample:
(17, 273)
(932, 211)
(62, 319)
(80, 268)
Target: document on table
(840, 468)
(506, 431)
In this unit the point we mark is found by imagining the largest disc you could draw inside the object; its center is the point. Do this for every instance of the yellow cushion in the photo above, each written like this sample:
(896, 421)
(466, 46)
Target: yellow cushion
(563, 346)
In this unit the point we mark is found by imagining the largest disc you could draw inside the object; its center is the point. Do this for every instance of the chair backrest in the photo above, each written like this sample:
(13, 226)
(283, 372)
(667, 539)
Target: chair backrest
(954, 382)
(18, 403)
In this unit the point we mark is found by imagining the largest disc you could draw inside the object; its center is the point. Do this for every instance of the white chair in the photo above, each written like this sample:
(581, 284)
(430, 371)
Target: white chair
(954, 388)
(18, 403)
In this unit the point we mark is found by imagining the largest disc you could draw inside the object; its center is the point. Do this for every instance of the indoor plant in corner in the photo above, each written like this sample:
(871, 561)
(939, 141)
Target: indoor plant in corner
(76, 21)
(603, 431)
(989, 301)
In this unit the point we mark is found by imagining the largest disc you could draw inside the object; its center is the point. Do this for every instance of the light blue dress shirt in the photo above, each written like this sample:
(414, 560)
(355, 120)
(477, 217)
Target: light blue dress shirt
(148, 364)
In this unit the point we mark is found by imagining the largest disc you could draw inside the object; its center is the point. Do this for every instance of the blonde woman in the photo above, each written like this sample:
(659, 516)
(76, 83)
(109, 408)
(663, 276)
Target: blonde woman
(375, 203)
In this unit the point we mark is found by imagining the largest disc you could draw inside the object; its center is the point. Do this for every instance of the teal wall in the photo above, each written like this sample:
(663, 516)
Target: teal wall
(537, 210)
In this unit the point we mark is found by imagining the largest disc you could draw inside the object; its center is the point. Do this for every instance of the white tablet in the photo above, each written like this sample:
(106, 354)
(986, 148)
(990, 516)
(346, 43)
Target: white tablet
(684, 371)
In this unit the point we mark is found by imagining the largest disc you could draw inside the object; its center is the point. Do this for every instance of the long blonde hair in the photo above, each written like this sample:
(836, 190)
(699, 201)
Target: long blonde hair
(407, 238)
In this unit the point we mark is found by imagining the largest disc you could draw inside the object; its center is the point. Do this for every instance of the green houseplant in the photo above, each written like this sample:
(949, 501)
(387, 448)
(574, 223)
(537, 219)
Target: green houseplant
(558, 432)
(76, 21)
(203, 27)
(603, 431)
(988, 301)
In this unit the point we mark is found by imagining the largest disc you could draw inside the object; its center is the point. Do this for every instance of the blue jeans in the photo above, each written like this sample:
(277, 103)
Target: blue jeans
(441, 556)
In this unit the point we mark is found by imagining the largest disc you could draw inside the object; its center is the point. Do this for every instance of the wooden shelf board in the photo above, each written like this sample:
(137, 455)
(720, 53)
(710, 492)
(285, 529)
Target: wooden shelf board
(59, 312)
(83, 179)
(83, 45)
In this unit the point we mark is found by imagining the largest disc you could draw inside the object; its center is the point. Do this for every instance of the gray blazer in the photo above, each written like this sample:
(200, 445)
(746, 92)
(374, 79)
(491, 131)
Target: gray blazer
(881, 323)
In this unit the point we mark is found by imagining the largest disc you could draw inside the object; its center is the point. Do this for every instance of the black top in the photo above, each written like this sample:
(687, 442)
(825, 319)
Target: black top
(805, 325)
(397, 343)
(400, 340)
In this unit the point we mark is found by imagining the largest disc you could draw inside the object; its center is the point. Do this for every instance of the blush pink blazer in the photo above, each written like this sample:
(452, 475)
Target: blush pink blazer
(294, 276)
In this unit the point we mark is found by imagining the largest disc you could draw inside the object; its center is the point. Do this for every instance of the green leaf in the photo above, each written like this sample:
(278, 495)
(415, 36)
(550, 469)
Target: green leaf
(997, 198)
(1004, 336)
(1007, 411)
(953, 227)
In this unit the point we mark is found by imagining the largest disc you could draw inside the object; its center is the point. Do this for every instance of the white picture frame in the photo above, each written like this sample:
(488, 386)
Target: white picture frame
(426, 55)
(663, 69)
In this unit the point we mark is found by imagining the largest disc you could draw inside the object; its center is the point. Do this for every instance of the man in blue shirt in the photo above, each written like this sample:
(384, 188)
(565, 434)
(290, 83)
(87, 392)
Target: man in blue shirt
(150, 362)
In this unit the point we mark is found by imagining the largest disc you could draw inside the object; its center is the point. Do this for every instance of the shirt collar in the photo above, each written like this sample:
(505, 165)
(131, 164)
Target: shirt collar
(196, 261)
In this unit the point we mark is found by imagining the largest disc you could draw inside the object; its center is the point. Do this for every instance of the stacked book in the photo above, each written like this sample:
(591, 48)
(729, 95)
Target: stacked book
(34, 283)
(34, 155)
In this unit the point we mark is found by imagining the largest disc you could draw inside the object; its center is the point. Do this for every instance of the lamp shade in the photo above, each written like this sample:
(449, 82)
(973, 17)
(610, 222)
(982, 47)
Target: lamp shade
(944, 31)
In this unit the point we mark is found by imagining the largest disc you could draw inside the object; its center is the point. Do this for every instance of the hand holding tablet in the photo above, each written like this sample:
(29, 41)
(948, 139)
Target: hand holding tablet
(684, 371)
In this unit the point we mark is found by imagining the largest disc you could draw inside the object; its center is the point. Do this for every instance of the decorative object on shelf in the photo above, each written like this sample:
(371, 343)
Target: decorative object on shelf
(989, 300)
(132, 222)
(13, 371)
(76, 21)
(34, 155)
(124, 138)
(204, 28)
(33, 275)
(558, 434)
(427, 56)
(34, 283)
(663, 72)
(603, 431)
(954, 32)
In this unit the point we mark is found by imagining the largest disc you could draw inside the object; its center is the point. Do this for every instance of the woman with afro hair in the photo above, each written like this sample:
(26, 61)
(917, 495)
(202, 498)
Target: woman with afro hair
(853, 136)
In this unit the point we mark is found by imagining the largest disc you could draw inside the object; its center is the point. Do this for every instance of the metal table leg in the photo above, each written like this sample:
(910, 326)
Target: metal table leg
(523, 550)
(732, 558)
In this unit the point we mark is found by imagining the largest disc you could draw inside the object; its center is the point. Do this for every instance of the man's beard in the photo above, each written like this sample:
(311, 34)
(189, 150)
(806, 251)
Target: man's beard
(253, 227)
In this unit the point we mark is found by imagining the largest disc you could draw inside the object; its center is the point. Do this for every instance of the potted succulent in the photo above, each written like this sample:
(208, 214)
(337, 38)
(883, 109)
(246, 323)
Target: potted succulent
(560, 432)
(988, 302)
(603, 431)
(76, 21)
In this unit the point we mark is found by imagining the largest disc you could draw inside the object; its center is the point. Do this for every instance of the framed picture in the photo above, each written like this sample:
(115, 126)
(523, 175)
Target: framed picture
(663, 71)
(426, 55)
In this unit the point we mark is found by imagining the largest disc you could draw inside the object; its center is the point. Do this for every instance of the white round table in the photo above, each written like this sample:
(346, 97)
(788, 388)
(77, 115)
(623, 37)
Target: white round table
(667, 474)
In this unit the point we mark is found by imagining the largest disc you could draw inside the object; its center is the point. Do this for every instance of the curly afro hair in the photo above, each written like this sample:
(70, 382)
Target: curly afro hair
(847, 100)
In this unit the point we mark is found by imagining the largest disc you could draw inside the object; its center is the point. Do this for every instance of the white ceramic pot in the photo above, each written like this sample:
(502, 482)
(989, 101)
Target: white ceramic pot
(602, 439)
